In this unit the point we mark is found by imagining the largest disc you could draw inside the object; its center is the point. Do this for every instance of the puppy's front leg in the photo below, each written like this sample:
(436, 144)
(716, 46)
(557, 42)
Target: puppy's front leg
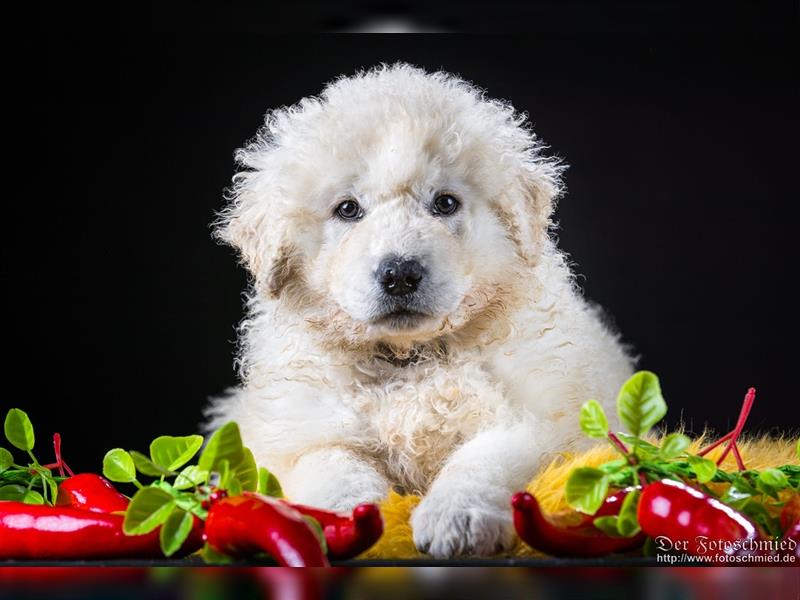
(336, 478)
(467, 510)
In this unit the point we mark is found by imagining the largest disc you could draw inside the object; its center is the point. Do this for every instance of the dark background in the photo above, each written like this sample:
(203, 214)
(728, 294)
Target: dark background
(119, 310)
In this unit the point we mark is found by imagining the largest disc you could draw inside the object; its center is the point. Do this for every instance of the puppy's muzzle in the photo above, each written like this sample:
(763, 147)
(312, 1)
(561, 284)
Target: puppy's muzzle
(399, 276)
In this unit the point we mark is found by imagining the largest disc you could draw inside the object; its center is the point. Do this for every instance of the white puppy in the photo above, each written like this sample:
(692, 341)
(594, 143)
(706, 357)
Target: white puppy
(411, 324)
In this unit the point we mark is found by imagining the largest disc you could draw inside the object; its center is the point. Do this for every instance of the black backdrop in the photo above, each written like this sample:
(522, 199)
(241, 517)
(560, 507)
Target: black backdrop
(120, 311)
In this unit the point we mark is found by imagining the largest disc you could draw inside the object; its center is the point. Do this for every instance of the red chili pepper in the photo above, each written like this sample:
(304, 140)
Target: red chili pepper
(252, 523)
(347, 535)
(791, 540)
(692, 521)
(91, 492)
(584, 540)
(62, 533)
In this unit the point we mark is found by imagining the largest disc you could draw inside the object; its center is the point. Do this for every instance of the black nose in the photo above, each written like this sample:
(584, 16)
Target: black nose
(400, 276)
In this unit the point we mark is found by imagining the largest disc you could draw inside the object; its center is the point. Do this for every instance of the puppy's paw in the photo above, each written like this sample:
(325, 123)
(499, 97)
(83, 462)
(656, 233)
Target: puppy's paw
(336, 481)
(459, 524)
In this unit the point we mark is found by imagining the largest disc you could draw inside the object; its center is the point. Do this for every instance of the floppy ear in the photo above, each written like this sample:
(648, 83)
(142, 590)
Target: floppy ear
(257, 226)
(527, 206)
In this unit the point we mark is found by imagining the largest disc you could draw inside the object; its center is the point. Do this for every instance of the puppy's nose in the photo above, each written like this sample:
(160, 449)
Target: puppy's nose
(400, 276)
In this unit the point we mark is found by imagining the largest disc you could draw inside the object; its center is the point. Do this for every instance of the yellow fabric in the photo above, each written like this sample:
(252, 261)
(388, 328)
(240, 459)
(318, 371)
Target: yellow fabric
(548, 487)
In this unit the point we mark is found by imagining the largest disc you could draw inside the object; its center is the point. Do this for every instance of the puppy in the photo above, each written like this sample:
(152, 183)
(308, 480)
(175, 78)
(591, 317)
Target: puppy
(411, 324)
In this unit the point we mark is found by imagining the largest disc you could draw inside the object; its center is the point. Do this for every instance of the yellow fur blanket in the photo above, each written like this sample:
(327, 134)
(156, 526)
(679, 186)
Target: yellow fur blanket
(548, 487)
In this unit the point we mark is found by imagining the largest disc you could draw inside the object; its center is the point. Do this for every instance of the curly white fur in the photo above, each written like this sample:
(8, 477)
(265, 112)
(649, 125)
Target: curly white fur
(463, 405)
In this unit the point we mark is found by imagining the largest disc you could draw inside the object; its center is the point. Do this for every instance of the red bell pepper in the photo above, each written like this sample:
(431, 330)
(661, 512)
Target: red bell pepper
(584, 540)
(347, 535)
(251, 523)
(91, 492)
(692, 521)
(63, 533)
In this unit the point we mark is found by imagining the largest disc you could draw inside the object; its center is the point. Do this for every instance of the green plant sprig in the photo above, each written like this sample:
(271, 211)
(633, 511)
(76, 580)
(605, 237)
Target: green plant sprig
(640, 406)
(181, 491)
(31, 483)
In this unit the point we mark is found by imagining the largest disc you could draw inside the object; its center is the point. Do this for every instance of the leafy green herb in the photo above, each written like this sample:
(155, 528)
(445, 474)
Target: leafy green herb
(19, 430)
(172, 453)
(118, 466)
(149, 508)
(640, 404)
(586, 489)
(593, 420)
(175, 530)
(268, 484)
(674, 445)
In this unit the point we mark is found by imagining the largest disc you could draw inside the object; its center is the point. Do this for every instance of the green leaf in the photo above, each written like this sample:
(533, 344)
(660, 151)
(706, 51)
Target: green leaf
(149, 508)
(19, 493)
(6, 459)
(190, 477)
(268, 484)
(176, 529)
(145, 466)
(212, 556)
(628, 524)
(703, 468)
(771, 481)
(246, 472)
(224, 470)
(593, 420)
(19, 430)
(607, 525)
(674, 445)
(225, 444)
(171, 453)
(644, 447)
(586, 489)
(640, 404)
(118, 466)
(735, 497)
(758, 513)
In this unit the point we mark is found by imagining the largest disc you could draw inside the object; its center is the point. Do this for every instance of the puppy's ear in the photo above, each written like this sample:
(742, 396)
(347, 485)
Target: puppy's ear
(527, 207)
(256, 224)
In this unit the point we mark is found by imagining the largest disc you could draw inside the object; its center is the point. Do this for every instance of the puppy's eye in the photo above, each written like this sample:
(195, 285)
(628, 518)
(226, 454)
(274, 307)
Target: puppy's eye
(349, 210)
(445, 204)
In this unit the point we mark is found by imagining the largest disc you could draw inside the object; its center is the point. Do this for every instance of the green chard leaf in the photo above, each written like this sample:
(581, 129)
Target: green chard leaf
(771, 481)
(172, 453)
(268, 484)
(225, 444)
(19, 430)
(628, 524)
(118, 466)
(6, 459)
(190, 476)
(145, 466)
(246, 472)
(176, 529)
(19, 493)
(149, 508)
(703, 468)
(607, 525)
(586, 489)
(593, 420)
(674, 445)
(640, 404)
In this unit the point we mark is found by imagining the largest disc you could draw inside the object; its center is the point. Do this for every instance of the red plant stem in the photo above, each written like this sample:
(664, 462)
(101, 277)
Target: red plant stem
(719, 442)
(642, 479)
(617, 443)
(745, 412)
(738, 457)
(59, 461)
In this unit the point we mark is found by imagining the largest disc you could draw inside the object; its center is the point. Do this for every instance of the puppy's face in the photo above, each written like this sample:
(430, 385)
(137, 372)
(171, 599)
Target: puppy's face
(397, 209)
